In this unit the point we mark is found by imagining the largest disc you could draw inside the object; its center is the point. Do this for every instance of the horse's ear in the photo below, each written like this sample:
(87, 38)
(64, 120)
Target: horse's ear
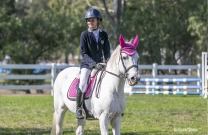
(136, 41)
(121, 41)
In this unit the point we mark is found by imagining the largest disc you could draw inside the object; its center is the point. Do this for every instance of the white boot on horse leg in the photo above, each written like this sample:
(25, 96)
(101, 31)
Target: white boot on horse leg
(116, 125)
(103, 121)
(80, 126)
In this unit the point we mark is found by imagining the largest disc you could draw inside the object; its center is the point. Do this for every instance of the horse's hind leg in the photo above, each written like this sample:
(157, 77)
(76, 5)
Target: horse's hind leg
(60, 111)
(60, 119)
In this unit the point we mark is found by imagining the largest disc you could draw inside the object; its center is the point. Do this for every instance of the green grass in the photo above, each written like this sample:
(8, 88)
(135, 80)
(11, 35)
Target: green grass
(144, 115)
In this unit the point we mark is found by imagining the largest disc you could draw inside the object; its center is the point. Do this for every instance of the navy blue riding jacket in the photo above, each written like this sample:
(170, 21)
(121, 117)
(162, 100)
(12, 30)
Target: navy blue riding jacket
(91, 51)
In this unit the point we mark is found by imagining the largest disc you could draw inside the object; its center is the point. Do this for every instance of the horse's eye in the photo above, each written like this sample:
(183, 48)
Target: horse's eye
(125, 57)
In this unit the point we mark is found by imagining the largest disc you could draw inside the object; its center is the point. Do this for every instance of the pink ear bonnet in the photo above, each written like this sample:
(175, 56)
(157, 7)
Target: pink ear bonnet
(128, 48)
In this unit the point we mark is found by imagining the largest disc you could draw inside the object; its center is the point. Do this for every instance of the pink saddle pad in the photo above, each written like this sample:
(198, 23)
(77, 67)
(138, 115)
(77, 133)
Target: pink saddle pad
(72, 89)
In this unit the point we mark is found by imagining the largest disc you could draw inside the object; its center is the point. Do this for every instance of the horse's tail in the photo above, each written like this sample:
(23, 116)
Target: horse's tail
(53, 130)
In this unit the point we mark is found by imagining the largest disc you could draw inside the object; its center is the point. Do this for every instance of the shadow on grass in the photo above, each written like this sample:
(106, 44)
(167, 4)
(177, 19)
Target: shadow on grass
(24, 131)
(35, 131)
(38, 131)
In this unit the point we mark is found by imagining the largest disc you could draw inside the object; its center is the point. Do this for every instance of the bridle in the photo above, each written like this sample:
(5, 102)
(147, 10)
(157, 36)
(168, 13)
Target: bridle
(124, 76)
(125, 69)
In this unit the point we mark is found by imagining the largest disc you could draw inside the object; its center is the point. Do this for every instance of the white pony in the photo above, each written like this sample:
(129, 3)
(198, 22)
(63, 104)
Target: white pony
(108, 101)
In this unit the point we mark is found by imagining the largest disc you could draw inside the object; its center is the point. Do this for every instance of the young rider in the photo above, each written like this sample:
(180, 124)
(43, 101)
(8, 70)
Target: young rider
(94, 44)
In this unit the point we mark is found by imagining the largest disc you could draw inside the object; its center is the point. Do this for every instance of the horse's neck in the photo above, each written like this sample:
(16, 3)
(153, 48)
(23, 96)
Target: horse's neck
(118, 82)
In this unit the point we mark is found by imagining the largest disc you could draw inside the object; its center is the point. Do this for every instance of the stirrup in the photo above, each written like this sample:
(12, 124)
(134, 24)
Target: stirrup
(79, 114)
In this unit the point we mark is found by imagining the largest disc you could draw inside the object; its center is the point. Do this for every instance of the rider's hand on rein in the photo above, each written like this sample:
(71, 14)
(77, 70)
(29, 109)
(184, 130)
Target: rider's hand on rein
(99, 66)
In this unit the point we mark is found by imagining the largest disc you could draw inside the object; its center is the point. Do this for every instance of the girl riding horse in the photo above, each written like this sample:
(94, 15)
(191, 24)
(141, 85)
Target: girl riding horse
(92, 42)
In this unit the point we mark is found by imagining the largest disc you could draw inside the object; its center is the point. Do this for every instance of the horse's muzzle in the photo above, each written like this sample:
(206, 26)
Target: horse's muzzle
(134, 80)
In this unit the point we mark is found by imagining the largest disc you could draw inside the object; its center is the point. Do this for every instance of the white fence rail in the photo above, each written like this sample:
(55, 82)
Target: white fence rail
(204, 74)
(200, 77)
(180, 83)
(149, 83)
(53, 68)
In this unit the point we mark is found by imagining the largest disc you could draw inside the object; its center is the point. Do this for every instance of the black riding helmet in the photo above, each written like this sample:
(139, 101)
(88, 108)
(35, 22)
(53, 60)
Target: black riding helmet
(93, 13)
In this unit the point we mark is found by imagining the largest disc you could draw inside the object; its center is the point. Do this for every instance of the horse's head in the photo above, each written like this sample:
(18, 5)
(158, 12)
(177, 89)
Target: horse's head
(128, 60)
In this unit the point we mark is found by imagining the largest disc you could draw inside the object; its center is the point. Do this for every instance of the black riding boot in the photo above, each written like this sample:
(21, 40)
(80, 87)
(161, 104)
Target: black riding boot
(79, 100)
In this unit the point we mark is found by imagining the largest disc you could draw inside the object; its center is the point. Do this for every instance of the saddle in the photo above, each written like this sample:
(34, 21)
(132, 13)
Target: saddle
(71, 94)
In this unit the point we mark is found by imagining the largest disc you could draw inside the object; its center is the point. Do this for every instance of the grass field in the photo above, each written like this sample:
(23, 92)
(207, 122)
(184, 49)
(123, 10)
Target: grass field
(144, 115)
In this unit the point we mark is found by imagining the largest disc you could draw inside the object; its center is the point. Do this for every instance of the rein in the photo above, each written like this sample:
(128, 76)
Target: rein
(97, 91)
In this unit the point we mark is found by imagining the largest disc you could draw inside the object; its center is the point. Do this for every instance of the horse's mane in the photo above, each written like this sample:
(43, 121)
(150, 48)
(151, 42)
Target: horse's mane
(114, 55)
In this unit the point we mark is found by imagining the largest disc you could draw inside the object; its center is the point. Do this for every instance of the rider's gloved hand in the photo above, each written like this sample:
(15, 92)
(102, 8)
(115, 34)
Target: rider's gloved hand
(106, 60)
(99, 66)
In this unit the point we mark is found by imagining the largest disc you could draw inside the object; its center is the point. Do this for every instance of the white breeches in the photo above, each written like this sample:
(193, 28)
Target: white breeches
(85, 73)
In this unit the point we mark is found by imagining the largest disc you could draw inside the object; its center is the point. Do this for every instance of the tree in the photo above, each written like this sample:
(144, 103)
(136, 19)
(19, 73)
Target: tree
(7, 9)
(47, 29)
(115, 19)
(198, 25)
(35, 34)
(163, 30)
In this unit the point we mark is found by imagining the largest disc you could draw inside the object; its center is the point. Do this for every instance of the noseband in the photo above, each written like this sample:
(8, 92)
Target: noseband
(125, 69)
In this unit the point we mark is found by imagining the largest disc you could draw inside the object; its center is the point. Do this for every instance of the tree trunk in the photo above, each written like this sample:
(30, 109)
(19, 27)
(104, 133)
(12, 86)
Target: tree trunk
(115, 18)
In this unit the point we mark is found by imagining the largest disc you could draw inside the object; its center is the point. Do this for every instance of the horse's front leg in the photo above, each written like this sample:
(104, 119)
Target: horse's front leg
(116, 125)
(80, 126)
(104, 121)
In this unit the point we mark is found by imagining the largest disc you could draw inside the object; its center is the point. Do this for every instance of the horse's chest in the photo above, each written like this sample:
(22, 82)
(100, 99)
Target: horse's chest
(112, 109)
(111, 106)
(117, 105)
